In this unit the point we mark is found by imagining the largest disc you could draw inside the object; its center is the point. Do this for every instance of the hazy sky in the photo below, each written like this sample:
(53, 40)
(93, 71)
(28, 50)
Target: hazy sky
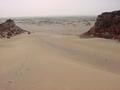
(10, 8)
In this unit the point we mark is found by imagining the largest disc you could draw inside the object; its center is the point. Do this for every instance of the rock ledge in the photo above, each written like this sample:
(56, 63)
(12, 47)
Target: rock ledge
(9, 29)
(106, 26)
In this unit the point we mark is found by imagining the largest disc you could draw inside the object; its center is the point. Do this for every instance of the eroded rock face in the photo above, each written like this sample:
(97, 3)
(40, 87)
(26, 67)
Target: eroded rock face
(9, 29)
(107, 26)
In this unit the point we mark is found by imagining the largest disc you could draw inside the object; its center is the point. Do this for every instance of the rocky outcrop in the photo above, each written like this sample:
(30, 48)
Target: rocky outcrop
(107, 26)
(9, 29)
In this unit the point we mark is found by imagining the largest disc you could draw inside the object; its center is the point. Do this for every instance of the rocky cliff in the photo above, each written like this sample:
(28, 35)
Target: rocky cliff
(107, 26)
(9, 29)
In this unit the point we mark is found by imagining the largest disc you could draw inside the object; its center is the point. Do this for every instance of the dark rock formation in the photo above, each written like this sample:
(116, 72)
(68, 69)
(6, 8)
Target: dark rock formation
(9, 29)
(107, 26)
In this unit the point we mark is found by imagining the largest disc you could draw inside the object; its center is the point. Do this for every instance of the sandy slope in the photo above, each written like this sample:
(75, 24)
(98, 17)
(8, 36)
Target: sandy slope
(54, 62)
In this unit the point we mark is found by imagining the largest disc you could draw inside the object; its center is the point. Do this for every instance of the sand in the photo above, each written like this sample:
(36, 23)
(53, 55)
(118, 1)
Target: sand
(55, 61)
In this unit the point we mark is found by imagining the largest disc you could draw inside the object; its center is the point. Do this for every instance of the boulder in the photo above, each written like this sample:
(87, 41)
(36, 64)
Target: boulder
(9, 29)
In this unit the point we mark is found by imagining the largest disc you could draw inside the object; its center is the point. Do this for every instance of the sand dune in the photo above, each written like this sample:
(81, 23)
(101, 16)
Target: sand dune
(43, 61)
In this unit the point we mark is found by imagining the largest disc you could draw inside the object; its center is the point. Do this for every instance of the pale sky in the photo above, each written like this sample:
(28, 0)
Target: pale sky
(11, 8)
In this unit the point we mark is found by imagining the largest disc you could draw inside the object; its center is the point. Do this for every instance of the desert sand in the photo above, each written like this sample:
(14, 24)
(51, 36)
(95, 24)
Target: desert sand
(54, 61)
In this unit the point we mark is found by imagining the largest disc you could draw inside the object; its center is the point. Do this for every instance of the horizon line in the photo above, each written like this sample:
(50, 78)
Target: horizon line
(49, 16)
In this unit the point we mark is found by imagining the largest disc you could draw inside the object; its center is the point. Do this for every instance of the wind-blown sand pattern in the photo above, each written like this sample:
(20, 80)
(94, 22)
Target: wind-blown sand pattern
(55, 58)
